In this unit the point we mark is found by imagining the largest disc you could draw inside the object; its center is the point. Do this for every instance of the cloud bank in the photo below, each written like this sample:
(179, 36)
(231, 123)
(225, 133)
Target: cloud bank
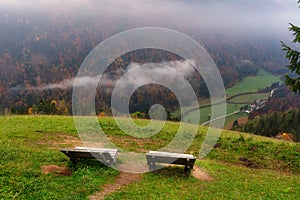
(223, 15)
(184, 68)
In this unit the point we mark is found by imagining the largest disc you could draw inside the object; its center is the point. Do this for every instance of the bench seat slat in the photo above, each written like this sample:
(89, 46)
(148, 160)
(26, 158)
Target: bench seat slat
(108, 156)
(175, 155)
(154, 157)
(96, 149)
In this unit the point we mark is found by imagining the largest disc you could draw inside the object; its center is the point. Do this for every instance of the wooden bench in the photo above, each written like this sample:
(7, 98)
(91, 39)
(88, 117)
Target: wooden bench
(154, 157)
(106, 156)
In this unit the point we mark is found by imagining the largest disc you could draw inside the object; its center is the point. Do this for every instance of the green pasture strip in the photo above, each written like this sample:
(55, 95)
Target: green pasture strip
(205, 113)
(250, 98)
(253, 83)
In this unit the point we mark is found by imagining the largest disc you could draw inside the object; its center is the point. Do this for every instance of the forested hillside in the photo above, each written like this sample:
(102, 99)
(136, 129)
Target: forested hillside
(277, 124)
(41, 47)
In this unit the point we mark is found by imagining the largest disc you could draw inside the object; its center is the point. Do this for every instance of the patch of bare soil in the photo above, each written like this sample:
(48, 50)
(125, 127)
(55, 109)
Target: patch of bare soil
(123, 179)
(248, 163)
(201, 174)
(61, 140)
(241, 121)
(54, 169)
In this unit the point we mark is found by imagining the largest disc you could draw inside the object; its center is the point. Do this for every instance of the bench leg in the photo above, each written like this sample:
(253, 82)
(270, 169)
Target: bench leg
(152, 166)
(74, 159)
(187, 169)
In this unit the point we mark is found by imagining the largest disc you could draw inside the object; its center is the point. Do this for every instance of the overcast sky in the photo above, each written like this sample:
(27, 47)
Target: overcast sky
(228, 15)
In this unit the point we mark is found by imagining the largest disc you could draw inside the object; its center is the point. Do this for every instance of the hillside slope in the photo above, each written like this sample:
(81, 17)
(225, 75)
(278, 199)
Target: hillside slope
(43, 45)
(242, 166)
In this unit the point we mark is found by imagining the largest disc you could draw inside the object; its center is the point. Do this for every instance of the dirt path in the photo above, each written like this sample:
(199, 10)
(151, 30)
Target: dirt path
(201, 174)
(123, 179)
(127, 178)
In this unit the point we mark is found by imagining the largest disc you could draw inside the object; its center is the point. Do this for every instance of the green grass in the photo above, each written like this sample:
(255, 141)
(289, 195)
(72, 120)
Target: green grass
(29, 142)
(250, 84)
(230, 119)
(249, 98)
(205, 112)
(21, 158)
(253, 83)
(265, 153)
(229, 182)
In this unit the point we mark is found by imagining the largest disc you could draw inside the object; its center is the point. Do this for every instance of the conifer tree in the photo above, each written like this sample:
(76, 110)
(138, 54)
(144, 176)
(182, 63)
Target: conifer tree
(294, 59)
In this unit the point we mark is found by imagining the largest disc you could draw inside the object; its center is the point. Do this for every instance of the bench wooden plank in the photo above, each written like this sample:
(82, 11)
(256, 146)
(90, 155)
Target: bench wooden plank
(175, 155)
(154, 157)
(106, 156)
(97, 149)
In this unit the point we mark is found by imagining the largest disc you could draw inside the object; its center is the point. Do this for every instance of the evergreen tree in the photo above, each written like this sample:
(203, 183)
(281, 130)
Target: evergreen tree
(294, 60)
(276, 123)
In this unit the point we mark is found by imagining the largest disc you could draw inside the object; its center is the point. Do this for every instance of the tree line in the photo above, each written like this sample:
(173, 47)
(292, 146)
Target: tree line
(48, 107)
(276, 123)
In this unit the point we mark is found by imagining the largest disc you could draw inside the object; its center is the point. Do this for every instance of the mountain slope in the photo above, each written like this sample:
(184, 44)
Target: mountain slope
(41, 46)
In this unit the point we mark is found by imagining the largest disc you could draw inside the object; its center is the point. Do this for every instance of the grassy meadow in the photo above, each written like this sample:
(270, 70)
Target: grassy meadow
(249, 98)
(205, 113)
(250, 84)
(262, 80)
(27, 143)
